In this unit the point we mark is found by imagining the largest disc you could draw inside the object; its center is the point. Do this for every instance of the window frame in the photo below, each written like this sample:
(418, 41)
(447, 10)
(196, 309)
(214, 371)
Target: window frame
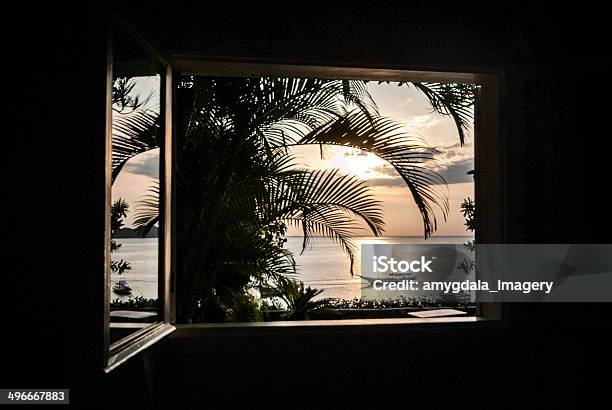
(120, 351)
(489, 153)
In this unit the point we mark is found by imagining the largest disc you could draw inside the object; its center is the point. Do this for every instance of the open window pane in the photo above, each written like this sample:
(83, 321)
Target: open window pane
(138, 206)
(136, 138)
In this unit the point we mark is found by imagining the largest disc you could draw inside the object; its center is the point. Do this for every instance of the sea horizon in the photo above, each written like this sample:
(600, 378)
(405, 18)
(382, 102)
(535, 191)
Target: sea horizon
(322, 265)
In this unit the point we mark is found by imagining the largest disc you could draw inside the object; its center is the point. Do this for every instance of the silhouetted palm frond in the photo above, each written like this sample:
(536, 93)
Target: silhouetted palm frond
(454, 100)
(411, 157)
(299, 112)
(146, 213)
(299, 298)
(134, 134)
(324, 203)
(135, 123)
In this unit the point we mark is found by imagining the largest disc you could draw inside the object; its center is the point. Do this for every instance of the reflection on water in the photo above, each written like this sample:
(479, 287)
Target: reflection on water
(322, 266)
(325, 266)
(141, 253)
(135, 186)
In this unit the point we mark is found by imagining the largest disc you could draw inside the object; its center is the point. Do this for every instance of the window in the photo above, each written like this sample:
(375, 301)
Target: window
(138, 206)
(223, 172)
(140, 296)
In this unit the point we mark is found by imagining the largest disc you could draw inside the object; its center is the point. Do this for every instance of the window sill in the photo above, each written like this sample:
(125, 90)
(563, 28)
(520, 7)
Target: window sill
(194, 330)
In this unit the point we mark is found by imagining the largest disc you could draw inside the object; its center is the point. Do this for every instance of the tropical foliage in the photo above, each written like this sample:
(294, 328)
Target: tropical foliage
(453, 100)
(119, 211)
(468, 210)
(239, 188)
(299, 299)
(136, 124)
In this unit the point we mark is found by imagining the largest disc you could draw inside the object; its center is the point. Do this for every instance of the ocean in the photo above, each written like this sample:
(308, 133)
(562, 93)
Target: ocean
(323, 265)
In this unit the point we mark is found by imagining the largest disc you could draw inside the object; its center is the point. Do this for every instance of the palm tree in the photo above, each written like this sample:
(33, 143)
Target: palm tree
(299, 299)
(239, 188)
(136, 124)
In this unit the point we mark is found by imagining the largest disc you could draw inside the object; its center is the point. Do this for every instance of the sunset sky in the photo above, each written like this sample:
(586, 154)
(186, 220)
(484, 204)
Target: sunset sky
(404, 104)
(410, 107)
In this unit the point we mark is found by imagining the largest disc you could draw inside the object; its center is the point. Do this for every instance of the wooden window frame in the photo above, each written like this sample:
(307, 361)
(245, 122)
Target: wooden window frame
(117, 353)
(489, 152)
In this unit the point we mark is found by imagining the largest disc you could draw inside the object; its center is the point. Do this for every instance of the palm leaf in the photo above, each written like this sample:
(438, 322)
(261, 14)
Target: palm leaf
(294, 112)
(133, 134)
(454, 100)
(146, 213)
(323, 203)
(411, 157)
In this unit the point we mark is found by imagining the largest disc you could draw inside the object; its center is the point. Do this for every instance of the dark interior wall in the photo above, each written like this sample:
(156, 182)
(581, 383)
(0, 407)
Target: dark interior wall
(316, 367)
(414, 35)
(554, 116)
(478, 365)
(52, 189)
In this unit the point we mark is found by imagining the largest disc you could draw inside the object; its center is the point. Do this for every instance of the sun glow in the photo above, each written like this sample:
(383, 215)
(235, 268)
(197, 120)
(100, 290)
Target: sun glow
(362, 164)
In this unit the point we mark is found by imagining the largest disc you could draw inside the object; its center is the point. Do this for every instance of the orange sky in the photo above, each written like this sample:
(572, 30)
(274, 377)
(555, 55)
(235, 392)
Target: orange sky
(402, 218)
(409, 106)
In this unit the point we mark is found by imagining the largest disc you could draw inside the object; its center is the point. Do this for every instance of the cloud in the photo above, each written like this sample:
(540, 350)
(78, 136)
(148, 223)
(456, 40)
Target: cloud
(456, 172)
(146, 164)
(453, 169)
(391, 182)
(411, 107)
(455, 162)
